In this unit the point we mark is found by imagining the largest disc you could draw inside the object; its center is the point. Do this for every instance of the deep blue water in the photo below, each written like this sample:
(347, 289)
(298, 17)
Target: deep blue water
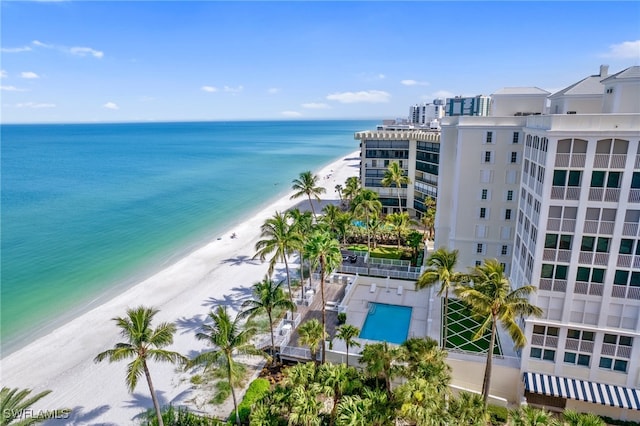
(86, 207)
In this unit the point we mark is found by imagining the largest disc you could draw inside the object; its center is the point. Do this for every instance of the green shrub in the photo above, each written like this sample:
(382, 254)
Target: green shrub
(616, 422)
(179, 417)
(223, 390)
(196, 379)
(498, 414)
(342, 318)
(256, 391)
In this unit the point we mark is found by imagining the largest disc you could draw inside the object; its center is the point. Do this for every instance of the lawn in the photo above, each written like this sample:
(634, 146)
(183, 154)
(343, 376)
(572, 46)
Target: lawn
(461, 327)
(385, 252)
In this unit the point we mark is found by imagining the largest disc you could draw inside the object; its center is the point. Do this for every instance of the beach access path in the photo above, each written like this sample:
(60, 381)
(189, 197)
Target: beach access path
(219, 273)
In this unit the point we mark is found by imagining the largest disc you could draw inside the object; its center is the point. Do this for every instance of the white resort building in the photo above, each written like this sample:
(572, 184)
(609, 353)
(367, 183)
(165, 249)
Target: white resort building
(548, 184)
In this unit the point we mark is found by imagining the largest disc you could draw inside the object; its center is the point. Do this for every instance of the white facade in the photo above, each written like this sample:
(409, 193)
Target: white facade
(425, 113)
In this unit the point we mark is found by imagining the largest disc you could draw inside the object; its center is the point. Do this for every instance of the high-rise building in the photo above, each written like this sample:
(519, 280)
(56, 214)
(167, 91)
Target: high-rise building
(475, 105)
(578, 240)
(425, 114)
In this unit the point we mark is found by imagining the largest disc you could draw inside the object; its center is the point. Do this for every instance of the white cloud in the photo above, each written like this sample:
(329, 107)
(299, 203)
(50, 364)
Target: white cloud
(370, 96)
(414, 83)
(35, 105)
(12, 89)
(273, 90)
(209, 89)
(624, 50)
(291, 114)
(41, 44)
(86, 51)
(382, 76)
(316, 105)
(111, 105)
(29, 75)
(233, 89)
(3, 74)
(15, 49)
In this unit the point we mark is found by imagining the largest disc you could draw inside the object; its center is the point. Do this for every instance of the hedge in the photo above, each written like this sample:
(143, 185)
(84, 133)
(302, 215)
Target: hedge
(256, 391)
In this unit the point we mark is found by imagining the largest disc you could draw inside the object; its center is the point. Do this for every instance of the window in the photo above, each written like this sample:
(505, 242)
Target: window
(479, 248)
(602, 245)
(483, 212)
(504, 250)
(550, 241)
(560, 177)
(565, 242)
(619, 345)
(485, 192)
(516, 137)
(597, 179)
(575, 178)
(514, 157)
(507, 214)
(489, 138)
(510, 195)
(478, 263)
(487, 156)
(578, 359)
(626, 246)
(618, 364)
(635, 180)
(587, 243)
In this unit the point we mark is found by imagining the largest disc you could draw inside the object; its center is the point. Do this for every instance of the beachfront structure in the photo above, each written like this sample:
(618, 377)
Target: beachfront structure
(479, 188)
(425, 114)
(417, 153)
(578, 240)
(468, 105)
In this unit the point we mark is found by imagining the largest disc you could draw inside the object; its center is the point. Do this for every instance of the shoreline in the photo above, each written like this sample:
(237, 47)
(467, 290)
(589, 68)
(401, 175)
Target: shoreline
(220, 271)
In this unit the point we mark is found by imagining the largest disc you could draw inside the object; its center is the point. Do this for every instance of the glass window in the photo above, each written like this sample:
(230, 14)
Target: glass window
(551, 241)
(626, 341)
(509, 195)
(588, 336)
(603, 245)
(559, 177)
(489, 137)
(574, 178)
(620, 365)
(614, 180)
(597, 276)
(504, 250)
(516, 137)
(549, 355)
(597, 179)
(485, 192)
(507, 214)
(626, 246)
(479, 248)
(539, 329)
(606, 363)
(553, 331)
(635, 180)
(547, 271)
(483, 212)
(565, 242)
(570, 357)
(536, 353)
(487, 156)
(583, 274)
(561, 272)
(635, 279)
(584, 360)
(621, 277)
(610, 338)
(514, 157)
(587, 243)
(573, 334)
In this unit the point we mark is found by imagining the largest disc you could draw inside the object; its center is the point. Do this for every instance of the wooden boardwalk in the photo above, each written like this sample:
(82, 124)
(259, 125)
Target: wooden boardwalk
(333, 292)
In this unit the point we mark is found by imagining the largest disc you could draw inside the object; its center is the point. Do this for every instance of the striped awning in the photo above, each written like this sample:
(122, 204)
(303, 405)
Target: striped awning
(582, 390)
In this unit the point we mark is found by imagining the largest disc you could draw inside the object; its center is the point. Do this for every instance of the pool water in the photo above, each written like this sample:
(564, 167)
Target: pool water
(387, 323)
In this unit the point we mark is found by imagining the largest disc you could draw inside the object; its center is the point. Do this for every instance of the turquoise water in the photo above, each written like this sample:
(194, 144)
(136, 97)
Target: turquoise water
(387, 323)
(89, 208)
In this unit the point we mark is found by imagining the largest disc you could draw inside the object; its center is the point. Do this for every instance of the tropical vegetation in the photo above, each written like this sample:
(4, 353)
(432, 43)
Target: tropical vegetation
(14, 403)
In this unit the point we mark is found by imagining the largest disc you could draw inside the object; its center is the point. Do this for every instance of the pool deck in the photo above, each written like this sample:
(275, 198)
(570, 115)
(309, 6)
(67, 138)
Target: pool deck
(383, 290)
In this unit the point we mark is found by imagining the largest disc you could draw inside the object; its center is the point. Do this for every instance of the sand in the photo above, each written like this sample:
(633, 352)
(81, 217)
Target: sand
(220, 273)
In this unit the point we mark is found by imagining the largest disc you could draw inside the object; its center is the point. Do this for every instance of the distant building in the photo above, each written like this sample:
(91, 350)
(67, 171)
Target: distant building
(476, 105)
(423, 115)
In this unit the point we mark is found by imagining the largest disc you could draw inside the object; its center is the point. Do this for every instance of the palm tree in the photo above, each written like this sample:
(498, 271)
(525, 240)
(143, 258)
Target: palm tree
(366, 205)
(529, 416)
(311, 334)
(338, 189)
(573, 418)
(400, 224)
(343, 225)
(305, 408)
(301, 225)
(394, 175)
(352, 188)
(441, 268)
(414, 240)
(421, 403)
(373, 408)
(228, 338)
(491, 298)
(423, 358)
(348, 333)
(428, 220)
(331, 217)
(468, 409)
(307, 184)
(279, 238)
(14, 403)
(380, 362)
(324, 251)
(267, 296)
(142, 343)
(336, 380)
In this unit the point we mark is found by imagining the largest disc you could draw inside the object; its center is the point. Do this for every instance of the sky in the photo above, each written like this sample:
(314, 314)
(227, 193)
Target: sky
(90, 61)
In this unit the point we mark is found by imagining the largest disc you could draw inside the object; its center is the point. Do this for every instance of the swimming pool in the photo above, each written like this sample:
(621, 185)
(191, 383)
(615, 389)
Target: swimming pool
(387, 323)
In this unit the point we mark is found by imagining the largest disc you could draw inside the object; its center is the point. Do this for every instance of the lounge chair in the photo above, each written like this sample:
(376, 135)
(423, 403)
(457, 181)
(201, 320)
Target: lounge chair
(373, 288)
(399, 292)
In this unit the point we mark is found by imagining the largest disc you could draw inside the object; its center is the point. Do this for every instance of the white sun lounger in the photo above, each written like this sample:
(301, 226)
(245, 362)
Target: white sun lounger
(373, 288)
(400, 288)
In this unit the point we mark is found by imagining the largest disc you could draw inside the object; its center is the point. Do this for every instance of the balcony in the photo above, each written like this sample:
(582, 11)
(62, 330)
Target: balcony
(634, 196)
(591, 258)
(553, 284)
(630, 229)
(597, 227)
(624, 292)
(593, 289)
(604, 194)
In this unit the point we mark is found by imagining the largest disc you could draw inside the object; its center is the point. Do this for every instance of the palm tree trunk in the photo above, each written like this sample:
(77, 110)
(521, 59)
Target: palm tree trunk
(286, 267)
(366, 216)
(273, 345)
(486, 383)
(233, 392)
(399, 200)
(324, 318)
(154, 398)
(445, 319)
(347, 343)
(315, 219)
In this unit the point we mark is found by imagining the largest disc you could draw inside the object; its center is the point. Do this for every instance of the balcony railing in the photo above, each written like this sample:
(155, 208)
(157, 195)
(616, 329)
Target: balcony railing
(553, 284)
(578, 160)
(634, 196)
(624, 292)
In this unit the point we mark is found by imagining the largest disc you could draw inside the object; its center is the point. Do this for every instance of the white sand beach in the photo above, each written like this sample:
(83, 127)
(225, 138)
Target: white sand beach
(220, 273)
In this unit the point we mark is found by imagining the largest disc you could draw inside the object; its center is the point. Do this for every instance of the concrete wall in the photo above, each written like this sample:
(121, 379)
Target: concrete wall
(506, 382)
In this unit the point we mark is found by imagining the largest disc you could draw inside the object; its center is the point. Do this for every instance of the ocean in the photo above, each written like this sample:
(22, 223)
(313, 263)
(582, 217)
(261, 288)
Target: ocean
(89, 209)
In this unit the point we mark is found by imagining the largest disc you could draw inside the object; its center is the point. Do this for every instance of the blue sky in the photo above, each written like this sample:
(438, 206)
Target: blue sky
(67, 61)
